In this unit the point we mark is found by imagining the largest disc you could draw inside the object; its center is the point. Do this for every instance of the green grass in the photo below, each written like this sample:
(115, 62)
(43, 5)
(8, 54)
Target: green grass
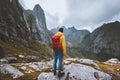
(16, 47)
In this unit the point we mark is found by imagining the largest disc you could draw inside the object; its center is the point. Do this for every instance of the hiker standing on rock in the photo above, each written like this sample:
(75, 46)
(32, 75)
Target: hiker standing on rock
(59, 47)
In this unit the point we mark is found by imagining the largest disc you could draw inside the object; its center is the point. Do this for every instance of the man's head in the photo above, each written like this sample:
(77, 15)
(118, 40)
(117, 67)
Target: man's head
(61, 30)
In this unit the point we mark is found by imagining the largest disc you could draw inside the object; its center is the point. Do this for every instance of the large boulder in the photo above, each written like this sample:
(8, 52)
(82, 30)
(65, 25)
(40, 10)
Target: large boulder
(8, 60)
(8, 69)
(78, 69)
(77, 72)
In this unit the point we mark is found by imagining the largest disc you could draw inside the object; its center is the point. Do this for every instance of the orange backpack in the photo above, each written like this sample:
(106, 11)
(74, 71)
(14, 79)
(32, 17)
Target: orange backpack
(56, 45)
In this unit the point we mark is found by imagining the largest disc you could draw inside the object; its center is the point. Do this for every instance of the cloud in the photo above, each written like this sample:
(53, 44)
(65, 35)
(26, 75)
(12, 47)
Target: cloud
(91, 12)
(22, 3)
(52, 21)
(83, 14)
(29, 4)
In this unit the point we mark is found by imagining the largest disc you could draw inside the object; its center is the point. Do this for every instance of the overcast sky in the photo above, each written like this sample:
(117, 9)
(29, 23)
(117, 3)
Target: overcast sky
(83, 14)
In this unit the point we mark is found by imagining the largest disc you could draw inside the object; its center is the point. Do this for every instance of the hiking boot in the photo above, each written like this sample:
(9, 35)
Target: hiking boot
(54, 71)
(60, 74)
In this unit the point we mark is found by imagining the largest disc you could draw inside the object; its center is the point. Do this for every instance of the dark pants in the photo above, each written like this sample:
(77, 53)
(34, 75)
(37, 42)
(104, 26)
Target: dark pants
(1, 52)
(58, 56)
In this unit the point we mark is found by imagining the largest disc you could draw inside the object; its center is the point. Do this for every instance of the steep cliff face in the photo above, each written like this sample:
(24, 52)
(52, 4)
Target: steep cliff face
(12, 23)
(105, 41)
(31, 24)
(41, 22)
(36, 24)
(16, 22)
(22, 31)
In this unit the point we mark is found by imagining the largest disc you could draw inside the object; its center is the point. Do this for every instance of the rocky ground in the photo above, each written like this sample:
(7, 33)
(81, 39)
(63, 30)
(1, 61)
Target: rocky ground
(75, 69)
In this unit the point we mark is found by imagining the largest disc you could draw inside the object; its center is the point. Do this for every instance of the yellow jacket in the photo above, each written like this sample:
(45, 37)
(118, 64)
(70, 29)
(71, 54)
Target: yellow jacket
(63, 42)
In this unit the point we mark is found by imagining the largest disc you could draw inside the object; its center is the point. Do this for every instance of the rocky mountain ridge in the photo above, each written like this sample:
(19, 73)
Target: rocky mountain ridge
(104, 42)
(74, 38)
(72, 34)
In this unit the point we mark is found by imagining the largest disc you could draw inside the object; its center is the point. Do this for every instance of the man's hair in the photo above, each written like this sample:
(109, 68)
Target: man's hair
(61, 30)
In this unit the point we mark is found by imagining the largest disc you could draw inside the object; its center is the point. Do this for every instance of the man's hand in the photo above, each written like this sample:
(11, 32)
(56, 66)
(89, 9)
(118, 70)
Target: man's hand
(65, 55)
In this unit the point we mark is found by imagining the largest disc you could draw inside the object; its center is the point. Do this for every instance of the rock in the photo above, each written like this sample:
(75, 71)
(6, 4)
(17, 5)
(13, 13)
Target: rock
(82, 61)
(66, 62)
(32, 58)
(21, 56)
(3, 60)
(36, 24)
(73, 71)
(89, 62)
(11, 59)
(33, 66)
(8, 69)
(8, 60)
(41, 24)
(76, 72)
(96, 75)
(113, 61)
(23, 68)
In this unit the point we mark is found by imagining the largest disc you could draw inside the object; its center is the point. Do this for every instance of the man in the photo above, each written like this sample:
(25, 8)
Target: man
(59, 51)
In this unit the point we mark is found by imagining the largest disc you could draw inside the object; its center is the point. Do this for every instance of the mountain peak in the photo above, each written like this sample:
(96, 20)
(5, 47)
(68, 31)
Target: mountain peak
(72, 28)
(38, 7)
(117, 22)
